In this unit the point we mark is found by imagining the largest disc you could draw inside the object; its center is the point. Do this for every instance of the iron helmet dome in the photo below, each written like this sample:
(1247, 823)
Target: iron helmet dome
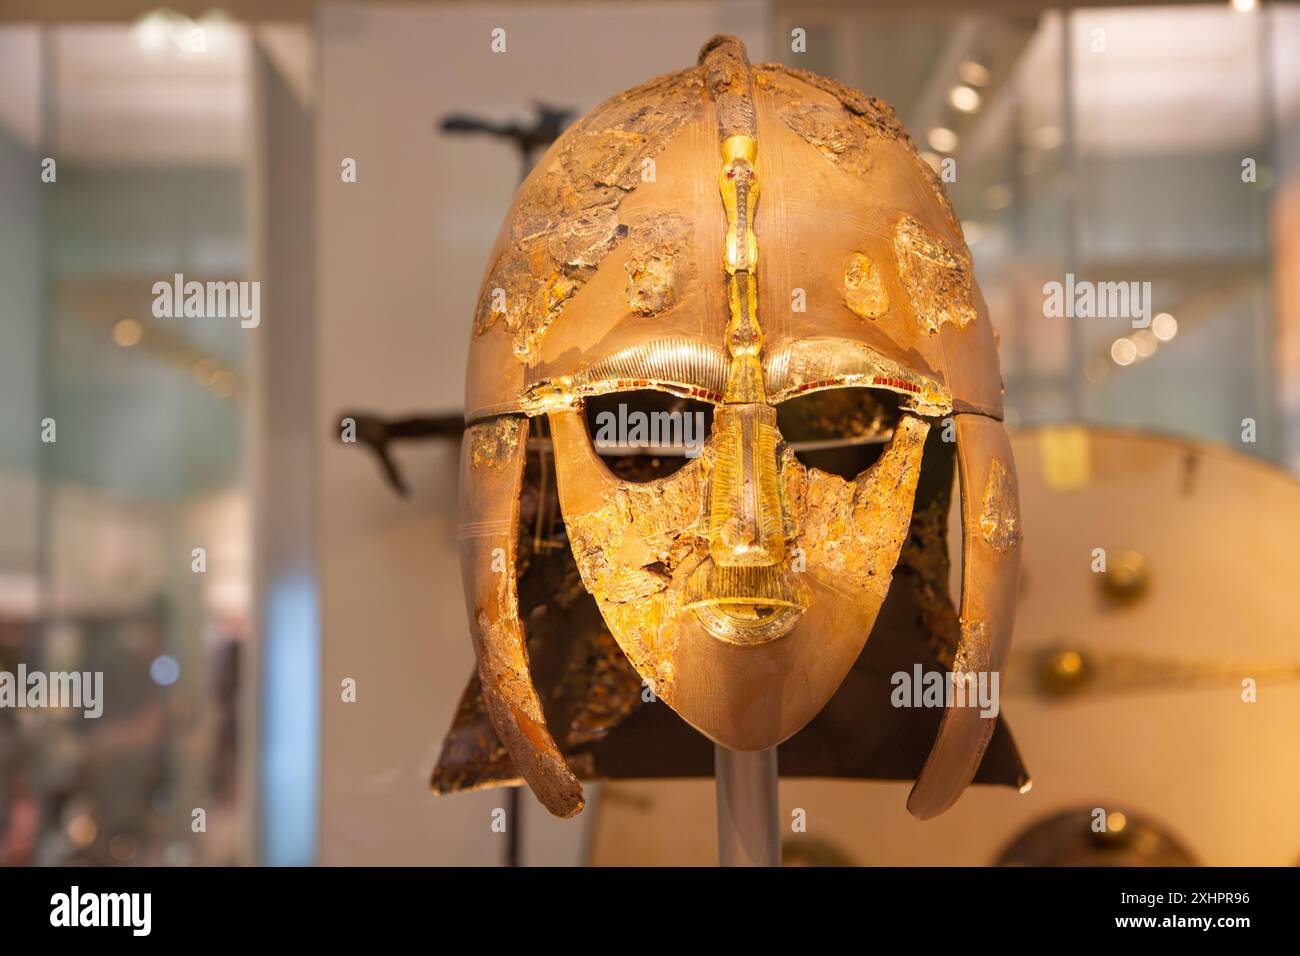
(743, 236)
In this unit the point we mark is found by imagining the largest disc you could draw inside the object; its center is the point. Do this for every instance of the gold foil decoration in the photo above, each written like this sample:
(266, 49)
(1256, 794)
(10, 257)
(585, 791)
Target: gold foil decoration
(1000, 518)
(566, 217)
(659, 256)
(864, 291)
(628, 552)
(494, 444)
(832, 132)
(972, 656)
(937, 278)
(854, 529)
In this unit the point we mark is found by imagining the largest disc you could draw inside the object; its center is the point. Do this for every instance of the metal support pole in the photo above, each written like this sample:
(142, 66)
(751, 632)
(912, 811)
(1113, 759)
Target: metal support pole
(749, 831)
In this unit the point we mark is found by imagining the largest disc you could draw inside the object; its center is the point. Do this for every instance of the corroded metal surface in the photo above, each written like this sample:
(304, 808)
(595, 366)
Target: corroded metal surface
(565, 219)
(864, 290)
(831, 131)
(937, 278)
(999, 517)
(659, 260)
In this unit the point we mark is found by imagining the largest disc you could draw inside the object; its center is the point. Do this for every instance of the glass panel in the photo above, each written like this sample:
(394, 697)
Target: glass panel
(1164, 120)
(21, 410)
(143, 545)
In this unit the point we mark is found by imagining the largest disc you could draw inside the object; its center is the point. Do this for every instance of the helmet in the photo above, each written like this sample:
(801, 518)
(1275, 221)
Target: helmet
(767, 243)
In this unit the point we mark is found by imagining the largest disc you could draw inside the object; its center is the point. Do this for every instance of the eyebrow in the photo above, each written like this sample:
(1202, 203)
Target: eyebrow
(820, 363)
(692, 369)
(677, 365)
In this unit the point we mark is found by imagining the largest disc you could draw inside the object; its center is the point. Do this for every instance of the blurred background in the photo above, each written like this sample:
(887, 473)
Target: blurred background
(193, 528)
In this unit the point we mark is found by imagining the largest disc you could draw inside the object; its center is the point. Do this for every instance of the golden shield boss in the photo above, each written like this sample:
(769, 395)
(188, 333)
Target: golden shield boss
(766, 243)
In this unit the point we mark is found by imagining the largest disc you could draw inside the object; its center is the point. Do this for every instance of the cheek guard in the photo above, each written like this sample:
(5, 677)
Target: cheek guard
(492, 470)
(990, 553)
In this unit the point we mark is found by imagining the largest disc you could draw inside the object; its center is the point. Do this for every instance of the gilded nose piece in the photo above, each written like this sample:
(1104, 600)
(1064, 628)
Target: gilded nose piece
(743, 593)
(746, 524)
(737, 535)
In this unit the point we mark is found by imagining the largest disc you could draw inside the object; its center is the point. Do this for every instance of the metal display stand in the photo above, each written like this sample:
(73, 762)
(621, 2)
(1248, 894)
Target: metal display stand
(749, 829)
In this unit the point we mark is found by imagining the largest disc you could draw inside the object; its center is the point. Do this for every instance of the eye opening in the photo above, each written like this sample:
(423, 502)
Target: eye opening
(647, 434)
(841, 431)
